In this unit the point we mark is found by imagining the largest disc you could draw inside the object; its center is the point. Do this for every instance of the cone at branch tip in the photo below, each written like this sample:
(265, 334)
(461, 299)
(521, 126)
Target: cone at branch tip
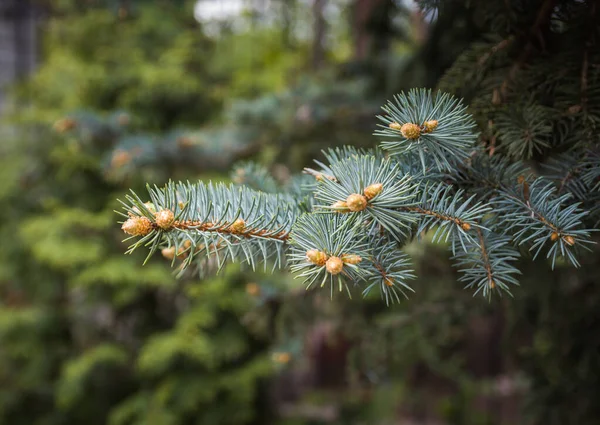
(356, 202)
(168, 253)
(137, 226)
(373, 190)
(340, 206)
(429, 126)
(334, 265)
(410, 131)
(238, 226)
(164, 219)
(351, 259)
(316, 257)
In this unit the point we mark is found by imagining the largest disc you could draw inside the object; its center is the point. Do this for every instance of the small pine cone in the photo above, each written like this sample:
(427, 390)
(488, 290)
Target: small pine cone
(238, 226)
(554, 236)
(137, 226)
(395, 126)
(334, 265)
(182, 254)
(388, 281)
(429, 126)
(356, 202)
(316, 257)
(411, 131)
(373, 190)
(569, 240)
(168, 253)
(340, 206)
(164, 219)
(351, 259)
(465, 226)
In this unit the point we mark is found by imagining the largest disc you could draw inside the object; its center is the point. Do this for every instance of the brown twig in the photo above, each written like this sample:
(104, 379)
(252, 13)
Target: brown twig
(226, 228)
(486, 260)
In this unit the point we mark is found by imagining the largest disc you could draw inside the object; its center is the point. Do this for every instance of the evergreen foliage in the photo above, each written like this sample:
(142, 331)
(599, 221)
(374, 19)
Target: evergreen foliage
(385, 205)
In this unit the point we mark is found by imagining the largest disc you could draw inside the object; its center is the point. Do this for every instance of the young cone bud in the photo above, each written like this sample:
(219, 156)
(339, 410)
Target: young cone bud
(340, 206)
(137, 226)
(411, 131)
(334, 265)
(395, 126)
(238, 226)
(356, 202)
(164, 219)
(569, 240)
(168, 253)
(351, 259)
(554, 236)
(373, 190)
(465, 226)
(316, 257)
(388, 281)
(429, 126)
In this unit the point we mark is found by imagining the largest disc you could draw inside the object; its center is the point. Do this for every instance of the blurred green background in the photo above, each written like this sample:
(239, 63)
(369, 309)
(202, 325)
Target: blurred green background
(105, 95)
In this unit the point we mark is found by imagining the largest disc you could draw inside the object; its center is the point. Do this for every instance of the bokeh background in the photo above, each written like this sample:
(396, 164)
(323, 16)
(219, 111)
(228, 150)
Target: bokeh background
(99, 96)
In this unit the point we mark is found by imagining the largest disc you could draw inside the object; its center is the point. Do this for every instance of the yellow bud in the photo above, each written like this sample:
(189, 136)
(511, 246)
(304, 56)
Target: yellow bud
(569, 240)
(316, 257)
(554, 236)
(429, 126)
(356, 202)
(373, 190)
(351, 258)
(164, 219)
(465, 226)
(340, 206)
(334, 265)
(411, 131)
(388, 281)
(238, 226)
(168, 253)
(137, 226)
(395, 126)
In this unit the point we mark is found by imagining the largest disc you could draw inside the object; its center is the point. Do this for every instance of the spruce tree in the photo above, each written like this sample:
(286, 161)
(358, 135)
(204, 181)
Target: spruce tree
(515, 174)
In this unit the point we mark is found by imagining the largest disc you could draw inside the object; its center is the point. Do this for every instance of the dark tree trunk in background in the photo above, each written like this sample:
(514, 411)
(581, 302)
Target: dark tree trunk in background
(319, 28)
